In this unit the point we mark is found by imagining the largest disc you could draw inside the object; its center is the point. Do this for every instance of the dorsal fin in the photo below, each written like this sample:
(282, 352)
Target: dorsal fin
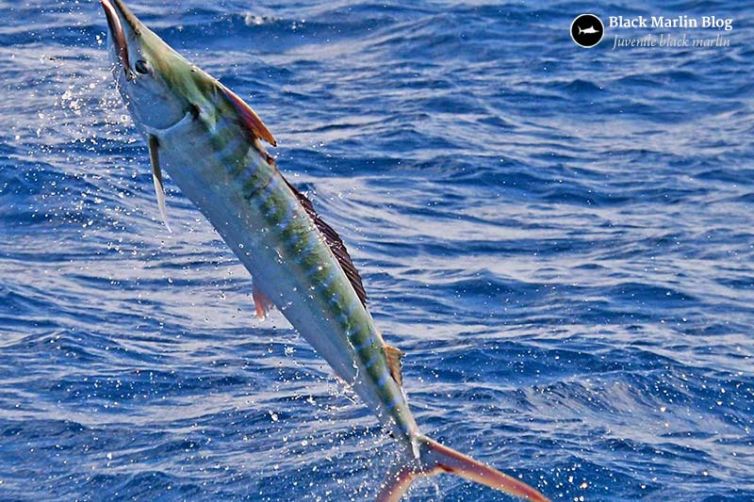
(248, 118)
(335, 243)
(394, 356)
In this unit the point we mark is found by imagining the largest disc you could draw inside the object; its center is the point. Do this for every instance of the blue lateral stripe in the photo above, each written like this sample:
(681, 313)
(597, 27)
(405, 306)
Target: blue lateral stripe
(383, 379)
(231, 146)
(327, 282)
(288, 214)
(395, 402)
(366, 343)
(353, 304)
(310, 246)
(263, 195)
(372, 361)
(295, 238)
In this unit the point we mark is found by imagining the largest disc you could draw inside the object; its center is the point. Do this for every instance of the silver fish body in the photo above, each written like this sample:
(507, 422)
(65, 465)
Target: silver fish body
(260, 217)
(210, 142)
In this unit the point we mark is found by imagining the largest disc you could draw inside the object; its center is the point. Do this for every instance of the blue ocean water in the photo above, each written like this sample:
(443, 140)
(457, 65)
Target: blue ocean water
(560, 239)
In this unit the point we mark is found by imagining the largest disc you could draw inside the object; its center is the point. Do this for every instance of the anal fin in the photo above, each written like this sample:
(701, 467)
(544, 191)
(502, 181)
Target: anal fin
(394, 356)
(262, 303)
(159, 187)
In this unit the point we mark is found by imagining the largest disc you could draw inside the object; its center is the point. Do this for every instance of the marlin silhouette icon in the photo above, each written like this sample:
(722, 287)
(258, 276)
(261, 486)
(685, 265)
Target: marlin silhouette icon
(588, 31)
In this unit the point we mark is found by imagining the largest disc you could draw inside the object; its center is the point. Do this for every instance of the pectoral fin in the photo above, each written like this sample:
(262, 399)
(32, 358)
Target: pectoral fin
(159, 188)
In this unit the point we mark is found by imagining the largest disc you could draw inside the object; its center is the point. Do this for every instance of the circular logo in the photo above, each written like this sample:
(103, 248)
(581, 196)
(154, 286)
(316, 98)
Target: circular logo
(587, 30)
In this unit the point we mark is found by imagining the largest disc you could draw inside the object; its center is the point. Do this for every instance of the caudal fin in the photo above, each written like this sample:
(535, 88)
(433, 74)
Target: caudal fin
(435, 458)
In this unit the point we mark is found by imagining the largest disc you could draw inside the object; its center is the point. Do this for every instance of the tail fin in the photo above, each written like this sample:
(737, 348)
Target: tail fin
(435, 458)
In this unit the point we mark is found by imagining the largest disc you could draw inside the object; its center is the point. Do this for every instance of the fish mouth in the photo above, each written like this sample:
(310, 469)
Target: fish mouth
(118, 36)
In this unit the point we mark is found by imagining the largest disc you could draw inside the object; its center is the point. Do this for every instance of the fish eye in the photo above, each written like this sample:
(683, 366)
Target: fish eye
(141, 67)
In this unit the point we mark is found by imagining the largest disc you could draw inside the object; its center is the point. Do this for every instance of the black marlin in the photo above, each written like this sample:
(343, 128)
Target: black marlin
(210, 141)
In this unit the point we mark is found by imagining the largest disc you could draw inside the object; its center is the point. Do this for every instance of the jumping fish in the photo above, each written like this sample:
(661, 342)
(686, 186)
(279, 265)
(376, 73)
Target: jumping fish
(210, 142)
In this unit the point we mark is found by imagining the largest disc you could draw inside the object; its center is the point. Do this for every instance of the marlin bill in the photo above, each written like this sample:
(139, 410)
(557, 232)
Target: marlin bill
(210, 142)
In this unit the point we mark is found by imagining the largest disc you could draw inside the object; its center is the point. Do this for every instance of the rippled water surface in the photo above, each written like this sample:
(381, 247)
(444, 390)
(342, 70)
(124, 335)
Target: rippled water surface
(560, 239)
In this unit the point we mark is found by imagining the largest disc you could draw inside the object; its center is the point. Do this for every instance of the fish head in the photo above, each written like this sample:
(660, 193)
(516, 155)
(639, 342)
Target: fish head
(159, 86)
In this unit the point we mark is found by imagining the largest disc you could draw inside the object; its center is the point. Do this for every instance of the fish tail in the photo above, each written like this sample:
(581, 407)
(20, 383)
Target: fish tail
(435, 458)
